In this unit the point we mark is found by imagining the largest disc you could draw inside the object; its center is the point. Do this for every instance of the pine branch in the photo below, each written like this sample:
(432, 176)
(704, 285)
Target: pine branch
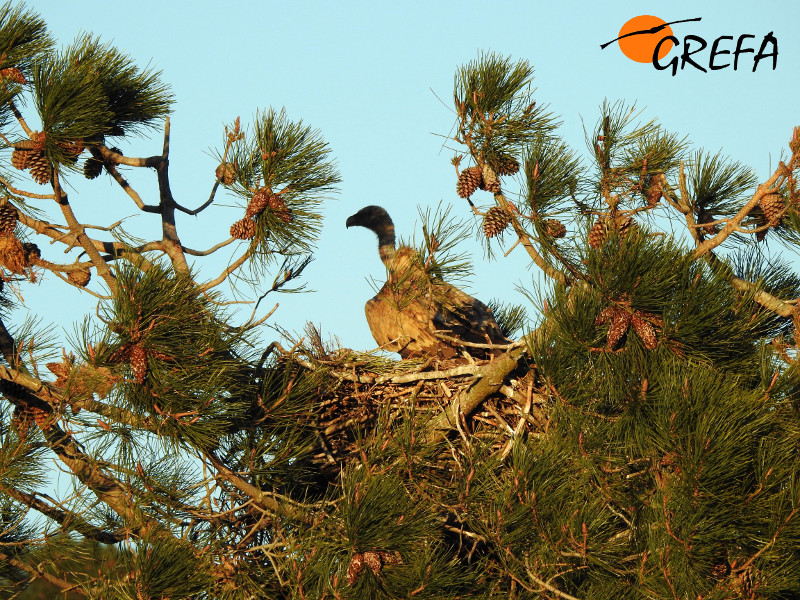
(106, 488)
(78, 231)
(489, 379)
(39, 574)
(69, 521)
(266, 500)
(171, 242)
(770, 186)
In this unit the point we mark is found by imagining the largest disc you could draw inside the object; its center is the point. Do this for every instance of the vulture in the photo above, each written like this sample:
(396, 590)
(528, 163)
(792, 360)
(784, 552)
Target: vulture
(417, 314)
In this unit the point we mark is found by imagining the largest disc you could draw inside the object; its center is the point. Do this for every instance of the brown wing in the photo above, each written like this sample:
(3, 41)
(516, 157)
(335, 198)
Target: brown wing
(407, 330)
(416, 315)
(468, 319)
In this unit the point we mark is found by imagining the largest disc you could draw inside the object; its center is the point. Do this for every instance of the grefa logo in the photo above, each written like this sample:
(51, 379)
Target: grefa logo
(649, 39)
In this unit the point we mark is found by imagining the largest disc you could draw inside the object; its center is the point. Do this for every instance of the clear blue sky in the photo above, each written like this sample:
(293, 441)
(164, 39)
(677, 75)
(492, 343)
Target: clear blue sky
(368, 75)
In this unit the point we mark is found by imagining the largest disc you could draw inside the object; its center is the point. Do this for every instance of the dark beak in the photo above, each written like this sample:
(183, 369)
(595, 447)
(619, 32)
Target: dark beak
(350, 221)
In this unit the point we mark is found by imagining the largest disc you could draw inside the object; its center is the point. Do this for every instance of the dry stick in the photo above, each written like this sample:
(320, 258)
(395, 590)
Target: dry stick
(210, 250)
(28, 131)
(19, 192)
(546, 585)
(203, 206)
(224, 275)
(77, 230)
(492, 378)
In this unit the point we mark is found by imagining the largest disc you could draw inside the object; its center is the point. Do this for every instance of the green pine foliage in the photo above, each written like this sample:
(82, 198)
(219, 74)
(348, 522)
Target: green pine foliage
(639, 439)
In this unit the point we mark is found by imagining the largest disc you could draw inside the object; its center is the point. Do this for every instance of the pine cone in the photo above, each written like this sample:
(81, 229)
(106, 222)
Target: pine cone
(92, 168)
(644, 330)
(506, 164)
(72, 150)
(355, 567)
(373, 561)
(13, 255)
(13, 74)
(40, 168)
(773, 206)
(226, 173)
(258, 202)
(490, 181)
(278, 206)
(138, 362)
(495, 221)
(625, 226)
(80, 277)
(8, 219)
(620, 322)
(761, 221)
(654, 192)
(555, 228)
(598, 232)
(244, 229)
(468, 181)
(20, 159)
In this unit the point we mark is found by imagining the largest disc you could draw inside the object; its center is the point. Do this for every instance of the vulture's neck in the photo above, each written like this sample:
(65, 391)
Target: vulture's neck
(386, 247)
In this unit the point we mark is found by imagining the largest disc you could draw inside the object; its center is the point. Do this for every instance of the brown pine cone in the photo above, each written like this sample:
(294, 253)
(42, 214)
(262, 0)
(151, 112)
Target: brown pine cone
(8, 219)
(13, 74)
(40, 168)
(555, 228)
(244, 229)
(506, 164)
(355, 567)
(278, 206)
(32, 253)
(468, 181)
(138, 362)
(72, 150)
(20, 159)
(620, 322)
(490, 181)
(80, 277)
(495, 221)
(598, 232)
(92, 168)
(13, 255)
(654, 192)
(645, 331)
(773, 206)
(625, 226)
(258, 202)
(226, 173)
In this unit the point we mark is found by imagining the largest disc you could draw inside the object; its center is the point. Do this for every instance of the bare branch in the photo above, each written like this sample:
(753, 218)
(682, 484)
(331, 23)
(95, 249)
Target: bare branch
(77, 230)
(123, 183)
(210, 250)
(205, 205)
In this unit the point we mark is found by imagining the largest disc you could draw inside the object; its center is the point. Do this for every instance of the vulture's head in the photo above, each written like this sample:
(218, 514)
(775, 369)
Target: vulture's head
(379, 221)
(372, 217)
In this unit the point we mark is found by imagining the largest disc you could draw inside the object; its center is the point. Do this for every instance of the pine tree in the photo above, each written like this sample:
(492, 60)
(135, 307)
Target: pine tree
(639, 440)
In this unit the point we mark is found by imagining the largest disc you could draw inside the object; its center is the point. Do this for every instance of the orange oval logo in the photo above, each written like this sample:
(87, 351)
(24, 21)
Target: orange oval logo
(640, 35)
